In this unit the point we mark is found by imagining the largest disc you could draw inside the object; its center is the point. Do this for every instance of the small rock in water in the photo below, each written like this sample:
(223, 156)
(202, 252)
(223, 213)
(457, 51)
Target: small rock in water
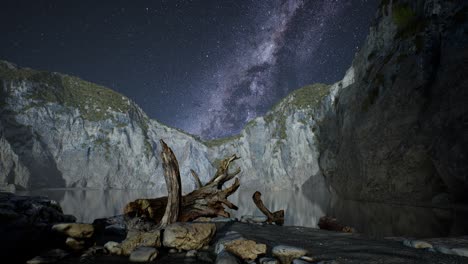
(143, 254)
(113, 248)
(416, 244)
(268, 261)
(286, 254)
(461, 251)
(225, 257)
(191, 253)
(75, 244)
(173, 251)
(245, 249)
(75, 230)
(188, 236)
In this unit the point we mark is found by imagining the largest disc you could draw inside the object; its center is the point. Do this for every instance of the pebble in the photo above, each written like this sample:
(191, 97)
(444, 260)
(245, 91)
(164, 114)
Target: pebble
(307, 258)
(113, 248)
(268, 261)
(225, 257)
(416, 244)
(173, 250)
(191, 254)
(75, 244)
(286, 254)
(143, 254)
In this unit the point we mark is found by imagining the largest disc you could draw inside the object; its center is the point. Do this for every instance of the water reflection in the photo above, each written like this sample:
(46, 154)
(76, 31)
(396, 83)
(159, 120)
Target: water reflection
(302, 208)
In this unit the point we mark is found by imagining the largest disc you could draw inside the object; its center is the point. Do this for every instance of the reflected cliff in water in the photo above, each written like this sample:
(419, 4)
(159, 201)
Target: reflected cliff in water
(302, 208)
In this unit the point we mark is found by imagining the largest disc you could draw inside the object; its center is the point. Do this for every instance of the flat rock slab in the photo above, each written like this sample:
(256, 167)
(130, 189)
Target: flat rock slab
(75, 230)
(143, 254)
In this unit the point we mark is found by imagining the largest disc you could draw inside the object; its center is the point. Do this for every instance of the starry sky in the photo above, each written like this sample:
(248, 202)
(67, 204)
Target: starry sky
(204, 66)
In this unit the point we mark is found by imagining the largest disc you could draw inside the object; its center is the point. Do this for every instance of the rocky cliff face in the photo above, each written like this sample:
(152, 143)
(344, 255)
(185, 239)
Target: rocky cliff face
(399, 132)
(60, 131)
(394, 129)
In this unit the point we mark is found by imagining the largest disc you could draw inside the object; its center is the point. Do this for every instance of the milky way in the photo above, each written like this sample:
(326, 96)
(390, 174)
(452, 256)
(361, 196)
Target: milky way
(207, 67)
(252, 77)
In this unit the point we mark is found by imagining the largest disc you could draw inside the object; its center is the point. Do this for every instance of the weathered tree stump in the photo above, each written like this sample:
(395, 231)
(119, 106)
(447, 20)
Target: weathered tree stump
(207, 200)
(275, 217)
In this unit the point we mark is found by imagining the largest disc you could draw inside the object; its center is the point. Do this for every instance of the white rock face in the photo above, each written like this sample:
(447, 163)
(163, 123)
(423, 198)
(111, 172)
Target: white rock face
(49, 138)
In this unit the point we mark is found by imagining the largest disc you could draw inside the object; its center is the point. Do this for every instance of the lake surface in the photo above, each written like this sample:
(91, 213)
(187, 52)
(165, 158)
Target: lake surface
(302, 208)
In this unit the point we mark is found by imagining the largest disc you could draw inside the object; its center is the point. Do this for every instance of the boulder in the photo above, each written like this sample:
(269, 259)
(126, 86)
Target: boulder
(268, 261)
(139, 238)
(230, 236)
(143, 254)
(188, 236)
(286, 254)
(75, 230)
(245, 249)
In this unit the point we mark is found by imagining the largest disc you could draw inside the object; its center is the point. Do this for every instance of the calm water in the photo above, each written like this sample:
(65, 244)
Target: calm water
(301, 209)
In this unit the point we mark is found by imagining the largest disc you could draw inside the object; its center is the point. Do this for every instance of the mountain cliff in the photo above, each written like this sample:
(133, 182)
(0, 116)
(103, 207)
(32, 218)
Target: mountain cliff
(60, 131)
(393, 129)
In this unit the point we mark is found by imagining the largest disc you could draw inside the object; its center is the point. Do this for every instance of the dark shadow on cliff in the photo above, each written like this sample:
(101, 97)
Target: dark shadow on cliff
(30, 148)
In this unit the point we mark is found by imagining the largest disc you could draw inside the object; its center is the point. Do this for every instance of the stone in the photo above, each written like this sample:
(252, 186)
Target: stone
(225, 257)
(307, 258)
(266, 260)
(173, 251)
(143, 254)
(286, 254)
(245, 249)
(460, 251)
(113, 248)
(75, 230)
(75, 244)
(230, 236)
(188, 236)
(420, 244)
(191, 254)
(139, 238)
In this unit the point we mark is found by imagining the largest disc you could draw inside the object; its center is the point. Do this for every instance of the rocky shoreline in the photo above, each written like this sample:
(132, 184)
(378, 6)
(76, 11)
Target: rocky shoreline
(34, 230)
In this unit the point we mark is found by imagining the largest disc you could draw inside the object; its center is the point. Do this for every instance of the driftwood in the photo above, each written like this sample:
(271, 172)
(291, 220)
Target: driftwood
(172, 177)
(207, 200)
(332, 224)
(276, 217)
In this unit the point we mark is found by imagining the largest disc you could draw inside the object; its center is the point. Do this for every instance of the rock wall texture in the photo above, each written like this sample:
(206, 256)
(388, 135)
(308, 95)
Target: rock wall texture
(395, 128)
(60, 131)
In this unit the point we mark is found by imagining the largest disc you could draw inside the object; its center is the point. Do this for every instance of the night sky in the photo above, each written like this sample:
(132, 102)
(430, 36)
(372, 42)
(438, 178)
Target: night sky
(206, 66)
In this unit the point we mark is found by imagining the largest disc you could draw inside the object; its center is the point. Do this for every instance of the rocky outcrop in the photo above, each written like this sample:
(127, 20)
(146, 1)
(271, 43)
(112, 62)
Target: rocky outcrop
(394, 129)
(60, 131)
(399, 132)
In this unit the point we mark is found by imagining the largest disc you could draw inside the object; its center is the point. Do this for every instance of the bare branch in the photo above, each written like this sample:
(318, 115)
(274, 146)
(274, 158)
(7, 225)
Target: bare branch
(197, 179)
